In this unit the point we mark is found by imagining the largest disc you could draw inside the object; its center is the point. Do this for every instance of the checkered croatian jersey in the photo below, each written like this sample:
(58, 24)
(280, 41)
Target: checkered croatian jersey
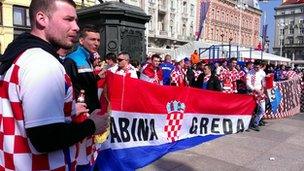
(228, 78)
(178, 77)
(34, 91)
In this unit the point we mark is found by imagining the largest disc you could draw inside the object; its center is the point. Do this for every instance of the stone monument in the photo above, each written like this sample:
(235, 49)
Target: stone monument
(122, 27)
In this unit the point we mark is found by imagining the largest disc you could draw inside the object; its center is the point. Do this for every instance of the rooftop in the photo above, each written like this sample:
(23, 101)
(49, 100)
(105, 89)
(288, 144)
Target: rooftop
(289, 2)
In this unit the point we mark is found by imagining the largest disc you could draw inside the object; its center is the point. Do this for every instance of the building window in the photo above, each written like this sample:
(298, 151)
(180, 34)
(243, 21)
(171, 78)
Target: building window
(185, 7)
(21, 16)
(150, 25)
(172, 4)
(211, 34)
(213, 14)
(184, 30)
(21, 20)
(282, 31)
(192, 10)
(291, 40)
(291, 30)
(301, 30)
(152, 1)
(301, 40)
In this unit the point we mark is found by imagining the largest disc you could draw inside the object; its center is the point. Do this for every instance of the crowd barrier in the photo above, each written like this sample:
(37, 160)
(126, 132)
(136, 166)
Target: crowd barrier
(290, 104)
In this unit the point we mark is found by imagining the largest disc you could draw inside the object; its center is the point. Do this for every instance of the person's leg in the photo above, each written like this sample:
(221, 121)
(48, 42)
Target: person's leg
(260, 113)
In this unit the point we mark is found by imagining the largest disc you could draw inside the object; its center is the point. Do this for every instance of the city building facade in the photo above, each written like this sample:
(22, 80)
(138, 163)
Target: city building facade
(289, 29)
(172, 24)
(231, 22)
(14, 19)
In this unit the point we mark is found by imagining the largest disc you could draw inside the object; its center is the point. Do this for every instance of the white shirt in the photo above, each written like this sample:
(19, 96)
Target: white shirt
(130, 71)
(255, 80)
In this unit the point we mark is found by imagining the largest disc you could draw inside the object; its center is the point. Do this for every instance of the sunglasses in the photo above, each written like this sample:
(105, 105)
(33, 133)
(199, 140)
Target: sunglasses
(119, 59)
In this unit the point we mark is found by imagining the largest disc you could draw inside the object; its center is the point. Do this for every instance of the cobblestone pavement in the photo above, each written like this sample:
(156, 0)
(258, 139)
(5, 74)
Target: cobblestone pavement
(278, 146)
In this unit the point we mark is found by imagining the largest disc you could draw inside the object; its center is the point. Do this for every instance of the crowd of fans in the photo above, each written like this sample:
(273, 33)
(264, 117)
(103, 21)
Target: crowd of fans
(227, 75)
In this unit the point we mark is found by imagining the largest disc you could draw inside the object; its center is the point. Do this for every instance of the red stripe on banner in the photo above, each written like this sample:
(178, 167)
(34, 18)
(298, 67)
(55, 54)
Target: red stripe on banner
(133, 95)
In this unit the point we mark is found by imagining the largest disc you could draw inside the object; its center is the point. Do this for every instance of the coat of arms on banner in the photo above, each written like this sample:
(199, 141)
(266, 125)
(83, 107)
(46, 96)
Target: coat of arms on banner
(174, 119)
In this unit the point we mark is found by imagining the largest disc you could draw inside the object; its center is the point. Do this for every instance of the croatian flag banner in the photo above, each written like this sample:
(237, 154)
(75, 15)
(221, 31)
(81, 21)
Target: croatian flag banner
(148, 120)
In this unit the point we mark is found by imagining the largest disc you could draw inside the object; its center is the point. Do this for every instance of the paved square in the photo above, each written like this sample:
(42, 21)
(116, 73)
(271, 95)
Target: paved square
(278, 146)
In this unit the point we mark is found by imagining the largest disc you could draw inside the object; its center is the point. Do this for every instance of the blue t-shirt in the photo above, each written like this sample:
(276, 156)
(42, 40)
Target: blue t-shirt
(167, 68)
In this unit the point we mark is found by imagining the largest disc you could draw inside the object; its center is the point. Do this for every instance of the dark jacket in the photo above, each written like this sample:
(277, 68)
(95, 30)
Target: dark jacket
(190, 77)
(212, 84)
(19, 45)
(79, 68)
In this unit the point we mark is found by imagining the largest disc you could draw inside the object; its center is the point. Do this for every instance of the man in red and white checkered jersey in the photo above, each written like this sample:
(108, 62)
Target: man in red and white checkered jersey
(37, 132)
(178, 75)
(230, 76)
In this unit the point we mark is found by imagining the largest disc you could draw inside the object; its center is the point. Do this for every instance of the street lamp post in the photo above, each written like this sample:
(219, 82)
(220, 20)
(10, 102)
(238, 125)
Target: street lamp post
(281, 45)
(230, 39)
(222, 36)
(282, 35)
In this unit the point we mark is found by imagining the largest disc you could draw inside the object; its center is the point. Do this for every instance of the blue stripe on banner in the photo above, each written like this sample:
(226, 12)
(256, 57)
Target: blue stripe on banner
(134, 158)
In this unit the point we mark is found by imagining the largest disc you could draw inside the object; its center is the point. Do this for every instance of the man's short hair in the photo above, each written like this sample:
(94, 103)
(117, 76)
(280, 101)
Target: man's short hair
(155, 56)
(124, 54)
(88, 28)
(232, 59)
(257, 62)
(209, 66)
(111, 56)
(168, 56)
(47, 6)
(248, 63)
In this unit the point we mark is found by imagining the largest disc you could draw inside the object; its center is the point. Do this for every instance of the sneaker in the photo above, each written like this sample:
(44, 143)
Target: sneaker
(262, 123)
(255, 128)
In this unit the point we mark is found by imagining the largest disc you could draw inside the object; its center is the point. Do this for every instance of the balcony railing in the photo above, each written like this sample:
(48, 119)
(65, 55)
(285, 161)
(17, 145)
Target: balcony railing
(152, 32)
(181, 37)
(163, 33)
(191, 37)
(173, 9)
